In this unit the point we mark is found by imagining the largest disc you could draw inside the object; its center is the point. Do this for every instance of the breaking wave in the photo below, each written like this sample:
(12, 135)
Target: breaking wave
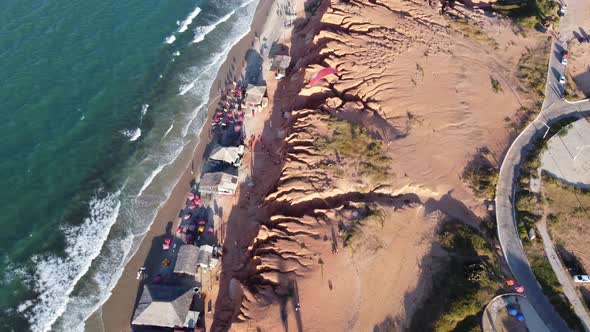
(189, 19)
(170, 39)
(54, 277)
(133, 135)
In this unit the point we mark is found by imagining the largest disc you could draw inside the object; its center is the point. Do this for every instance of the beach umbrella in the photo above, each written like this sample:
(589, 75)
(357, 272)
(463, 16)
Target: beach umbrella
(519, 289)
(230, 114)
(220, 113)
(237, 127)
(216, 120)
(187, 216)
(510, 282)
(321, 74)
(520, 317)
(202, 222)
(197, 200)
(191, 196)
(192, 207)
(179, 229)
(210, 229)
(241, 119)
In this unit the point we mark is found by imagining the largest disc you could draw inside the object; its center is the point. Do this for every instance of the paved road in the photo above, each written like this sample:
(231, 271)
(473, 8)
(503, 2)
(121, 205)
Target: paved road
(553, 110)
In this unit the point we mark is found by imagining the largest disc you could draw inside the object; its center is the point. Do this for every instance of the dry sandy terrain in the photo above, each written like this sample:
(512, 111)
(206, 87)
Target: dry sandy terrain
(578, 66)
(371, 156)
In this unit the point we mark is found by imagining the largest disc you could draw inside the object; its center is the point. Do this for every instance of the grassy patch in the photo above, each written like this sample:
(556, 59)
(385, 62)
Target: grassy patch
(366, 213)
(473, 31)
(496, 86)
(469, 281)
(551, 286)
(529, 14)
(532, 69)
(361, 151)
(481, 176)
(571, 91)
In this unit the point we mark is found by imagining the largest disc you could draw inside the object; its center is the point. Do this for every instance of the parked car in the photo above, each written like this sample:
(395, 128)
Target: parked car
(562, 80)
(564, 56)
(582, 278)
(562, 10)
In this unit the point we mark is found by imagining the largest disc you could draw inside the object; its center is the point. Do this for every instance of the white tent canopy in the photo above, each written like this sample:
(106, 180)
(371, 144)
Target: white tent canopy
(230, 154)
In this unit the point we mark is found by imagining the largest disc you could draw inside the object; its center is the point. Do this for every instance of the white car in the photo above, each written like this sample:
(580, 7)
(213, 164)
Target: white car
(582, 278)
(562, 10)
(562, 80)
(564, 61)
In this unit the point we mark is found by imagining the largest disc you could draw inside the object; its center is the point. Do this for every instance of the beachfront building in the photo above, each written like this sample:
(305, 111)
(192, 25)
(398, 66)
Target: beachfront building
(186, 260)
(191, 257)
(255, 100)
(167, 307)
(228, 154)
(218, 183)
(279, 65)
(205, 259)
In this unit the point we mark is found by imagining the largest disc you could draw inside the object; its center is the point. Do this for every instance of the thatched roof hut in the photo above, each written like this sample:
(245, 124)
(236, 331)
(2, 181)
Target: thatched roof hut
(186, 260)
(218, 183)
(255, 94)
(165, 306)
(280, 63)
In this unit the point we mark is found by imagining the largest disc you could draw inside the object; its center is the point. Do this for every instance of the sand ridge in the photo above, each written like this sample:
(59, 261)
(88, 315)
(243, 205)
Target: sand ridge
(375, 152)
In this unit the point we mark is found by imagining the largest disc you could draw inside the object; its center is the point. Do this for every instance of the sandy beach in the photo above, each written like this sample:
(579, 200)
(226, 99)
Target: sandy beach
(115, 314)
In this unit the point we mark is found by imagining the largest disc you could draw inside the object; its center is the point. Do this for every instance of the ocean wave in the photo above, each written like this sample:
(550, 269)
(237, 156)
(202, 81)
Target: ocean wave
(184, 88)
(189, 19)
(133, 135)
(203, 31)
(55, 276)
(170, 39)
(168, 131)
(144, 109)
(150, 178)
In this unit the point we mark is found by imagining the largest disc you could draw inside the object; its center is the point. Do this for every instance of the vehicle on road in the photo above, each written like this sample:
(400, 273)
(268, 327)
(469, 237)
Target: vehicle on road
(582, 278)
(564, 56)
(562, 10)
(562, 80)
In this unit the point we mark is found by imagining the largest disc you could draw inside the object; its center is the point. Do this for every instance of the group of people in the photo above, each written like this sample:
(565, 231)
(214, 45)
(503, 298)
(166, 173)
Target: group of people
(230, 112)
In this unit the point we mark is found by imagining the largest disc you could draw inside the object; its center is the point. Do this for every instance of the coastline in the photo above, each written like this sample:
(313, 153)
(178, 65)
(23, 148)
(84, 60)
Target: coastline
(115, 314)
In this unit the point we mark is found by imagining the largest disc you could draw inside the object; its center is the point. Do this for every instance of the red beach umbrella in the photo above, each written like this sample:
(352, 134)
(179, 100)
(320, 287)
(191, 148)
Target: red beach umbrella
(202, 222)
(192, 207)
(237, 127)
(197, 201)
(187, 216)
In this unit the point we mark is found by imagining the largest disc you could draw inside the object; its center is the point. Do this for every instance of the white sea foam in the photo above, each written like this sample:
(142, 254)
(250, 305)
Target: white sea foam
(170, 39)
(55, 277)
(189, 19)
(202, 32)
(144, 109)
(150, 178)
(133, 135)
(168, 131)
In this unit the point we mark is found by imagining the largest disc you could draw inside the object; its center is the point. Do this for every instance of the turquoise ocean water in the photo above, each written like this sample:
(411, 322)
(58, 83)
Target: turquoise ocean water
(97, 100)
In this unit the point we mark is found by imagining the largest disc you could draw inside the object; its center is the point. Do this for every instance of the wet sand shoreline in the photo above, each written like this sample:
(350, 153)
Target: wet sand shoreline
(115, 314)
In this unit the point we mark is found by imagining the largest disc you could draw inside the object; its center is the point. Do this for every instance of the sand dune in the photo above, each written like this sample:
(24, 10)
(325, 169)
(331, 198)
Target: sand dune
(371, 163)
